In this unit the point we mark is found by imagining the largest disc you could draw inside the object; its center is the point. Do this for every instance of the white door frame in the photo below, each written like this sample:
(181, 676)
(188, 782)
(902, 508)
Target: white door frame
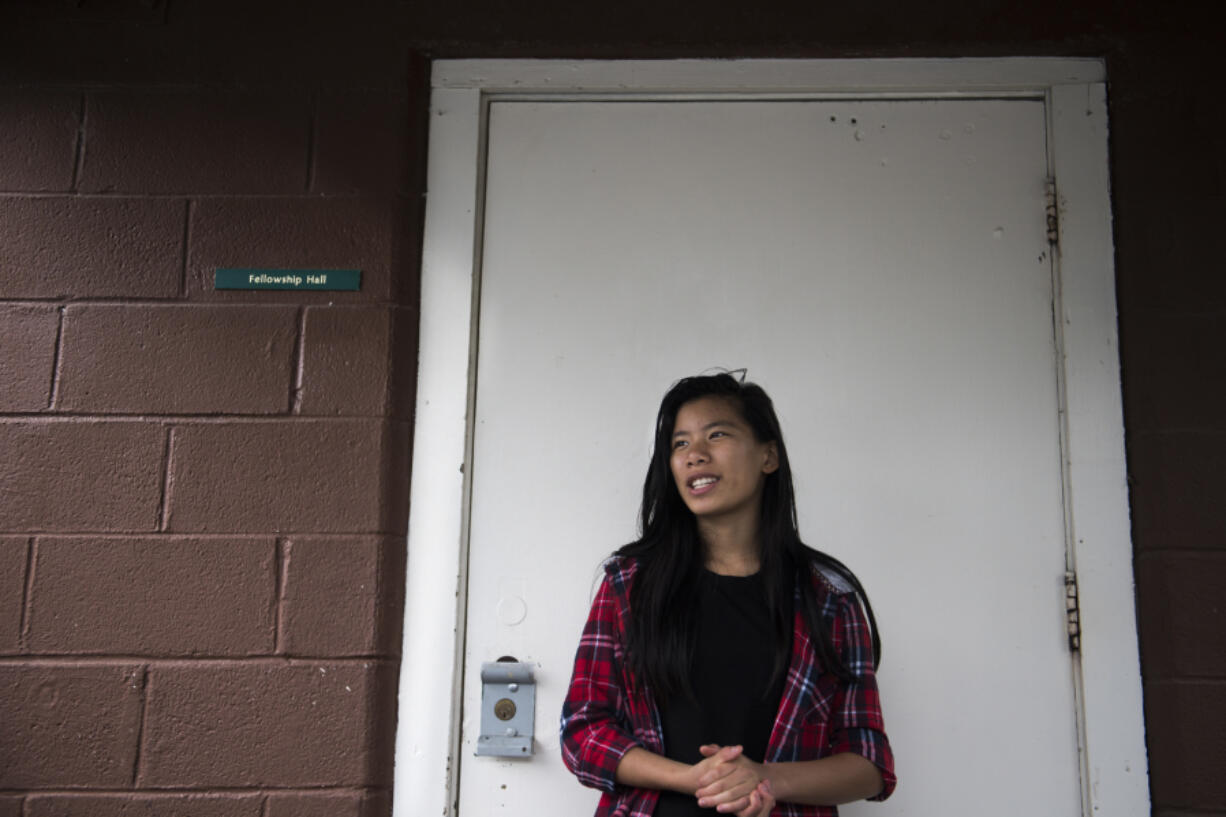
(1106, 673)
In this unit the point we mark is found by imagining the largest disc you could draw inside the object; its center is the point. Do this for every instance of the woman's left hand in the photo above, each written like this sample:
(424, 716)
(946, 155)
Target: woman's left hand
(732, 787)
(761, 801)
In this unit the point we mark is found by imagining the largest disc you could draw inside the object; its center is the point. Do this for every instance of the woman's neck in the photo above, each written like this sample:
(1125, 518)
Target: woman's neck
(730, 548)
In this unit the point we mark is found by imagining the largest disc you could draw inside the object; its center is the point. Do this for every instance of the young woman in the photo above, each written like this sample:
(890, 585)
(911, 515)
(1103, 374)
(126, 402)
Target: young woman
(725, 665)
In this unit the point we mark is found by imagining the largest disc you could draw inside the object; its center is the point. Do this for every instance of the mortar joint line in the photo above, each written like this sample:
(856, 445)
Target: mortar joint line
(313, 127)
(27, 594)
(281, 551)
(186, 661)
(78, 160)
(57, 359)
(299, 363)
(163, 517)
(186, 791)
(140, 724)
(264, 805)
(179, 195)
(185, 253)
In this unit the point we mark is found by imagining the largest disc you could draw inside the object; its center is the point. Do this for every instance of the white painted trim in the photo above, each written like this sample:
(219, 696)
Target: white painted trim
(1115, 756)
(764, 76)
(432, 655)
(429, 701)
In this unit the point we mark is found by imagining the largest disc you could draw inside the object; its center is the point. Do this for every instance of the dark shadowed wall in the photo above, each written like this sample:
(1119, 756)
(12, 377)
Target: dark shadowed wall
(202, 494)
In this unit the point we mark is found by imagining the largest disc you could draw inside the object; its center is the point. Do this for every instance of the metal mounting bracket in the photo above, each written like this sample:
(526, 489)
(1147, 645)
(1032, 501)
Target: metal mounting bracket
(508, 709)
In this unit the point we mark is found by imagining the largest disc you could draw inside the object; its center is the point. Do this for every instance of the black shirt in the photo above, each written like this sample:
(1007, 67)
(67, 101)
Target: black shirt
(735, 701)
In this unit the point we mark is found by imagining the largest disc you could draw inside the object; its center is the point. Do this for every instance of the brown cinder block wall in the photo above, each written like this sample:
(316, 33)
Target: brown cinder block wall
(202, 493)
(1169, 188)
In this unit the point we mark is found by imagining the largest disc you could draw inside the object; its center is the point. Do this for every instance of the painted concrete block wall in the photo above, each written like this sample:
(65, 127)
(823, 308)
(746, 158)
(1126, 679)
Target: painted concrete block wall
(202, 494)
(1170, 193)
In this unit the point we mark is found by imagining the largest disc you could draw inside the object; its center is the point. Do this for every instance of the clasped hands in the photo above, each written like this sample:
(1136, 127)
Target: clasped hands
(732, 783)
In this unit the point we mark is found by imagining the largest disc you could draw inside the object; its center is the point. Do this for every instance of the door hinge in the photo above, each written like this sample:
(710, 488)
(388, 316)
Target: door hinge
(1053, 212)
(1072, 611)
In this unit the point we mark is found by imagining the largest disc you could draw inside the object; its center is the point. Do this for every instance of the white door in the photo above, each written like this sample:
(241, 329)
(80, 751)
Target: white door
(881, 268)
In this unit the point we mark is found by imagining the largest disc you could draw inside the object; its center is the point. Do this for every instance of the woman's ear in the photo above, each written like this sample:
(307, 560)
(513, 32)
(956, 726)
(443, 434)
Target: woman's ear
(771, 463)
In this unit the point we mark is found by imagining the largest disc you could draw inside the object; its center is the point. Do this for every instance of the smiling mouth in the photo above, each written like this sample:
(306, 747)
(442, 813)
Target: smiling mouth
(702, 483)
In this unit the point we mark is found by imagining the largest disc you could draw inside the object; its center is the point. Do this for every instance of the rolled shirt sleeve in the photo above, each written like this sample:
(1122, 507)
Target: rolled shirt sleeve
(594, 736)
(858, 723)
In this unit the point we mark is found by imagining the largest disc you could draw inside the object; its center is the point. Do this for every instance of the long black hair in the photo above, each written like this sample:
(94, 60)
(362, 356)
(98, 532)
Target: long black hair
(662, 627)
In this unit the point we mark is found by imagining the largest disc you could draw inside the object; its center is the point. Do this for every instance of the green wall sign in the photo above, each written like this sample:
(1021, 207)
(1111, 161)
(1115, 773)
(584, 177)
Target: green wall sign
(304, 279)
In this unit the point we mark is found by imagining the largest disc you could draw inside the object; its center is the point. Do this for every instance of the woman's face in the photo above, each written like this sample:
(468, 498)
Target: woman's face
(717, 463)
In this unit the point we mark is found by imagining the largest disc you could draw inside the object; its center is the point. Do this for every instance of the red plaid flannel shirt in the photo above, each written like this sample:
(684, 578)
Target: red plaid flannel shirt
(605, 714)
